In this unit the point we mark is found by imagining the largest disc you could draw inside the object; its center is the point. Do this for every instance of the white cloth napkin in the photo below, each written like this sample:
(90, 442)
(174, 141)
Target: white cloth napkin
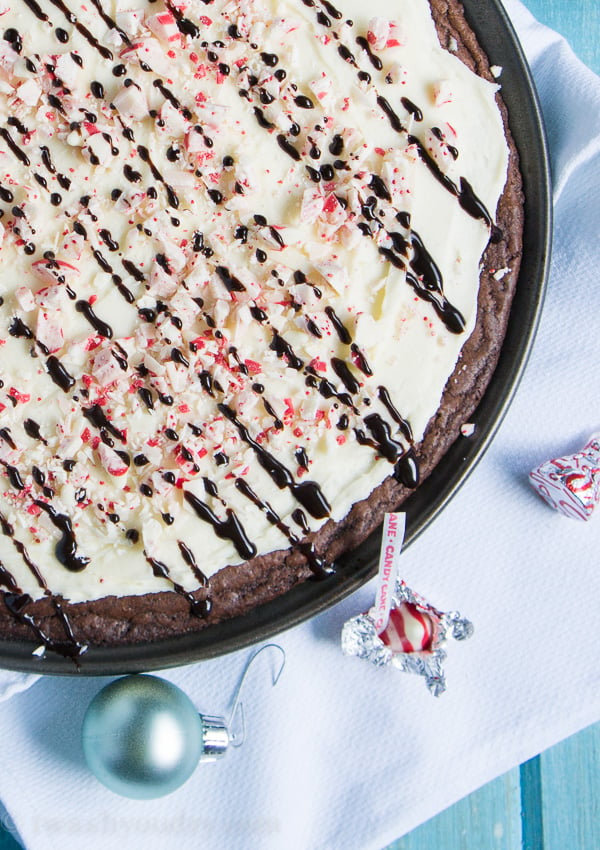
(340, 754)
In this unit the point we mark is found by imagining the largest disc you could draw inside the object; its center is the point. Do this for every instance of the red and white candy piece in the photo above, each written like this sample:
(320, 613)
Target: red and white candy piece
(111, 461)
(53, 271)
(164, 27)
(571, 484)
(408, 630)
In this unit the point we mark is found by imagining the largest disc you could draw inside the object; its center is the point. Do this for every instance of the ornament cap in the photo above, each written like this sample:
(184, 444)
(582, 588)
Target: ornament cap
(215, 737)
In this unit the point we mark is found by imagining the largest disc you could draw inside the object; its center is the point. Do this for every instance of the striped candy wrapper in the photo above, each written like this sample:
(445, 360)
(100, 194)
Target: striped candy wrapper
(571, 484)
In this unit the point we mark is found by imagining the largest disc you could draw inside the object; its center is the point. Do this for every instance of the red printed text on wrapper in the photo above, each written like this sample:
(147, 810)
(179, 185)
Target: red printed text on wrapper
(394, 525)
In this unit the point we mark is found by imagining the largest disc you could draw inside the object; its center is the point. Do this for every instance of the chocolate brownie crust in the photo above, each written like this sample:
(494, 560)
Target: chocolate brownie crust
(236, 590)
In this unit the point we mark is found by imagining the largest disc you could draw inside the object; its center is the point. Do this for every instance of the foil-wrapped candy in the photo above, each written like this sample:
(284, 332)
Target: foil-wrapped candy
(571, 484)
(413, 639)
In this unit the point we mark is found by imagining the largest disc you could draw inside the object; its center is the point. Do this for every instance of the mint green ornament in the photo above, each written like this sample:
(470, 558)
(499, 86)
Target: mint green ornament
(143, 737)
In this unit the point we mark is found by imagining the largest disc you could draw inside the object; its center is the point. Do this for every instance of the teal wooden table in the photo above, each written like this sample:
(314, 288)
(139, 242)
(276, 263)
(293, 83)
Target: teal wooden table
(553, 801)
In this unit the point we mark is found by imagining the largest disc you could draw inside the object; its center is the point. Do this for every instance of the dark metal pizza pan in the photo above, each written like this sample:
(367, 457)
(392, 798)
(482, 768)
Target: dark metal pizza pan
(497, 37)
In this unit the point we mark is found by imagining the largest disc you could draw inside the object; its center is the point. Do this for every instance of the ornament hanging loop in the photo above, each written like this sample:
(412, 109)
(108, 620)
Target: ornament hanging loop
(237, 732)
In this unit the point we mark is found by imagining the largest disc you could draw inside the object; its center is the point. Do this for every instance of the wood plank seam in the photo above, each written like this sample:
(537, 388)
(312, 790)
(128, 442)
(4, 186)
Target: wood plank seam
(532, 824)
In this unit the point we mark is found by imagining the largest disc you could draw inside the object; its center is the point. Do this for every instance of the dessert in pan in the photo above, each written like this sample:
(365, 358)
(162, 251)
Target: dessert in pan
(256, 266)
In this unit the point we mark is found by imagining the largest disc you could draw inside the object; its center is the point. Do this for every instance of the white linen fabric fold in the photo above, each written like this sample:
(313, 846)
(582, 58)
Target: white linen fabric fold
(340, 754)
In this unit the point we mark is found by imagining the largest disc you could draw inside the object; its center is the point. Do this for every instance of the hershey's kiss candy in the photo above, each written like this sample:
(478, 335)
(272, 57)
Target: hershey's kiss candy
(412, 639)
(402, 628)
(143, 737)
(571, 484)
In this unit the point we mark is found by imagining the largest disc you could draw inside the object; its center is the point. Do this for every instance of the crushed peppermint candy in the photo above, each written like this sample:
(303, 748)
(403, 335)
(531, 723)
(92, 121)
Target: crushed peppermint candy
(206, 246)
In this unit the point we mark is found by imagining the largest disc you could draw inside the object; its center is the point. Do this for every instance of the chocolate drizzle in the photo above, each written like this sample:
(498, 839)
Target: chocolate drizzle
(35, 8)
(288, 147)
(16, 150)
(373, 58)
(229, 528)
(412, 108)
(13, 476)
(285, 350)
(17, 602)
(101, 327)
(303, 141)
(338, 325)
(198, 607)
(5, 435)
(97, 417)
(144, 155)
(385, 398)
(320, 568)
(342, 370)
(307, 493)
(56, 369)
(72, 19)
(66, 548)
(188, 557)
(382, 436)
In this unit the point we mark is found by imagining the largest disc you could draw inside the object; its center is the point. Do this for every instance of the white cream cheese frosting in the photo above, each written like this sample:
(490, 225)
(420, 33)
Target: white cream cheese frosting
(240, 252)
